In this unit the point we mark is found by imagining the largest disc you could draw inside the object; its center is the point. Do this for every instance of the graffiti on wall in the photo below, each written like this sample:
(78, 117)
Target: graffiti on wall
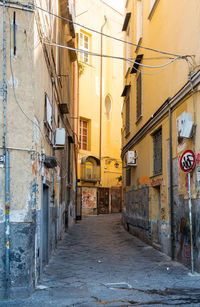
(163, 214)
(184, 248)
(165, 229)
(137, 208)
(145, 181)
(89, 198)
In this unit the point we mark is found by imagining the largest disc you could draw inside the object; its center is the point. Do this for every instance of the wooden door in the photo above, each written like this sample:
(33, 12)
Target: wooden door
(116, 199)
(103, 201)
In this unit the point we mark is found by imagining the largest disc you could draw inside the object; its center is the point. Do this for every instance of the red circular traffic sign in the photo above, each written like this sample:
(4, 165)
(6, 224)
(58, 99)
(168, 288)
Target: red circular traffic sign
(187, 161)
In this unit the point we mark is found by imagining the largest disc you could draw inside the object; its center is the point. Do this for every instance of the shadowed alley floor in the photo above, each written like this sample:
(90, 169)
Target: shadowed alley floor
(98, 263)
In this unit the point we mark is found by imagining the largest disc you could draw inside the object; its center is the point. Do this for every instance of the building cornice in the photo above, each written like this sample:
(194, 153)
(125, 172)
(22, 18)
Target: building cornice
(170, 103)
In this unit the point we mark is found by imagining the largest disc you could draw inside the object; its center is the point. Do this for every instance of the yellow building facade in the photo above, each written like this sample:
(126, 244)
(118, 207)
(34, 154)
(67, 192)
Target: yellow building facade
(100, 86)
(160, 122)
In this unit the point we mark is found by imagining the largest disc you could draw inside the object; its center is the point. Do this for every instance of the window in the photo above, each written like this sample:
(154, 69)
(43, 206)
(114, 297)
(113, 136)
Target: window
(84, 45)
(127, 123)
(128, 48)
(48, 118)
(83, 136)
(139, 96)
(157, 149)
(48, 111)
(68, 90)
(108, 106)
(139, 21)
(153, 5)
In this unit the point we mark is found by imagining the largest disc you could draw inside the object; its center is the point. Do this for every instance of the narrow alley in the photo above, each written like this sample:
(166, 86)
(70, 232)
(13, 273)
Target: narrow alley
(98, 263)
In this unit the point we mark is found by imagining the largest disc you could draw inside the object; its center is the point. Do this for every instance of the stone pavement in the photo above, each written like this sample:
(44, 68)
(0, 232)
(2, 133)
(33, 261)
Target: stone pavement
(99, 264)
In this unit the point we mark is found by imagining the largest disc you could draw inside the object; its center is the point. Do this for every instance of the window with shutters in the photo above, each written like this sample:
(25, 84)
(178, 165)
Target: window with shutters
(83, 134)
(127, 120)
(48, 118)
(84, 44)
(128, 48)
(139, 25)
(157, 151)
(139, 96)
(153, 5)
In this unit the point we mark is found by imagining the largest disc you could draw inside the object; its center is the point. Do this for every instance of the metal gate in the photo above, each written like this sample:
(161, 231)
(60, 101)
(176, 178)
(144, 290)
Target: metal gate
(45, 225)
(116, 199)
(103, 201)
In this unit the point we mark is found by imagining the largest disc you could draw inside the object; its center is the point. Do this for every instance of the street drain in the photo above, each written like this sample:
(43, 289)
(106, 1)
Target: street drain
(118, 285)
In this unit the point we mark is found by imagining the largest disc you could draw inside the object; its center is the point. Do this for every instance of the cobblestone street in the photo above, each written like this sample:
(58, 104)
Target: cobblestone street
(98, 263)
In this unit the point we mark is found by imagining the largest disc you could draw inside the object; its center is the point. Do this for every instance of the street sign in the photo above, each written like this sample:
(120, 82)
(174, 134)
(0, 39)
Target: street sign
(187, 161)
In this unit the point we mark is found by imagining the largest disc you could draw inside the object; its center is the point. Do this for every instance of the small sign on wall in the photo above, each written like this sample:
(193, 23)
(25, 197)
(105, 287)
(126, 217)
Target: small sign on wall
(2, 160)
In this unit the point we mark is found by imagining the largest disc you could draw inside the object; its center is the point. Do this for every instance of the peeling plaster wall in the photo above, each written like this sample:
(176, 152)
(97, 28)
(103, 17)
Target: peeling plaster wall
(20, 134)
(25, 103)
(181, 225)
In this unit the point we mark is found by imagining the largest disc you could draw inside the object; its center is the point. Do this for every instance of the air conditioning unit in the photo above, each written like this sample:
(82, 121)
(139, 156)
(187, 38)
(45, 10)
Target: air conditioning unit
(185, 125)
(60, 137)
(131, 158)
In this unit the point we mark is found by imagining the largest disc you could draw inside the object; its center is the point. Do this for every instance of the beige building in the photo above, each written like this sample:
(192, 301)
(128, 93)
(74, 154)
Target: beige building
(100, 86)
(160, 122)
(38, 100)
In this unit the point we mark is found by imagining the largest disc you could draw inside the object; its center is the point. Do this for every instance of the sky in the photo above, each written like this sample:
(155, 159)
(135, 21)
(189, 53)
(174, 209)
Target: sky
(116, 4)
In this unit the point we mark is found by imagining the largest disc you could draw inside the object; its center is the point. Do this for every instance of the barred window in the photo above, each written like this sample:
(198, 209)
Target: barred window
(157, 143)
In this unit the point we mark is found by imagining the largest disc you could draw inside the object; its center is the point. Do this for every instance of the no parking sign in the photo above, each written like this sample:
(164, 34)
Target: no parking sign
(187, 161)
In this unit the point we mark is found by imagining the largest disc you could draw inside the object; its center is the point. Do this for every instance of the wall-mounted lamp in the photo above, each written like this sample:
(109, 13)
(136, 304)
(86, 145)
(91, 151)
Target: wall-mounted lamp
(116, 164)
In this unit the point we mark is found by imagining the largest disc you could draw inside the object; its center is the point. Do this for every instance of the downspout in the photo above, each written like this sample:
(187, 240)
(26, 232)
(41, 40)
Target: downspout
(53, 152)
(7, 167)
(101, 94)
(171, 196)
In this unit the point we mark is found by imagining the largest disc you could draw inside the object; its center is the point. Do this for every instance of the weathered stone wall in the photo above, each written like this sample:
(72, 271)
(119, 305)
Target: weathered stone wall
(137, 213)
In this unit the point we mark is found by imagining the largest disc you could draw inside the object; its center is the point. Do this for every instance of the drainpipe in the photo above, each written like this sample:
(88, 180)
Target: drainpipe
(7, 162)
(171, 196)
(53, 153)
(101, 94)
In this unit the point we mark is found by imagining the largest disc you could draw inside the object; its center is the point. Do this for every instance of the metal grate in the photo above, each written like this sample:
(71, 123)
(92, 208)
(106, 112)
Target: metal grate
(157, 143)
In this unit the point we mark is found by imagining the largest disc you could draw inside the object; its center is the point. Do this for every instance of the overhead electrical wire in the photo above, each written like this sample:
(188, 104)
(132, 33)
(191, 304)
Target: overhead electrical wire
(110, 56)
(98, 32)
(103, 34)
